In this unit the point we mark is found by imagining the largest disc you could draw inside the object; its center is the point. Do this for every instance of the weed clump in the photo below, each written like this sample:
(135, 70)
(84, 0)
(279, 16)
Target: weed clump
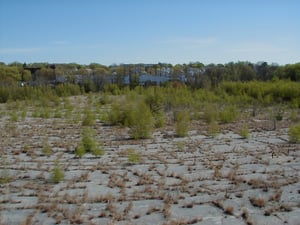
(4, 174)
(258, 202)
(133, 156)
(213, 129)
(47, 150)
(229, 114)
(57, 174)
(88, 144)
(244, 132)
(89, 118)
(210, 113)
(294, 133)
(182, 123)
(140, 121)
(135, 115)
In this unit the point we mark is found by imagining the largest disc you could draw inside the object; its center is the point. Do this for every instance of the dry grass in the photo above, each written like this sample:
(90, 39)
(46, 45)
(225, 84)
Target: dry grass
(246, 216)
(218, 204)
(276, 196)
(152, 210)
(166, 210)
(258, 202)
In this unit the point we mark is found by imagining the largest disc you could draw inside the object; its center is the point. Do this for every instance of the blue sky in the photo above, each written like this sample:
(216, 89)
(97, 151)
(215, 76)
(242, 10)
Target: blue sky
(149, 31)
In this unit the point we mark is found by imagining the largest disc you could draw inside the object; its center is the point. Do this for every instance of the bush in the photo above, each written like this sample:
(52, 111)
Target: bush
(4, 94)
(134, 114)
(116, 115)
(4, 174)
(244, 132)
(80, 150)
(294, 133)
(14, 117)
(213, 129)
(154, 98)
(57, 174)
(89, 144)
(140, 120)
(182, 123)
(67, 89)
(159, 118)
(89, 118)
(210, 113)
(104, 99)
(133, 156)
(47, 150)
(228, 114)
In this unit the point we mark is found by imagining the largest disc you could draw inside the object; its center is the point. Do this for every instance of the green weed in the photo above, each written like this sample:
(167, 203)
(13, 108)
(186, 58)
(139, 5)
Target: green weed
(229, 114)
(294, 133)
(89, 118)
(244, 132)
(4, 174)
(57, 174)
(182, 123)
(134, 156)
(88, 144)
(213, 129)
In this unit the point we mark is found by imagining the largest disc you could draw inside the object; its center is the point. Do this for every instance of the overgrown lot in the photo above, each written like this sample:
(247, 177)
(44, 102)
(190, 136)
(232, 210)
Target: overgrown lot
(157, 155)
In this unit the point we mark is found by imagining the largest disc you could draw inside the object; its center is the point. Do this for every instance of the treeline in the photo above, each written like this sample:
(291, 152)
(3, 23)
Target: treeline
(196, 74)
(242, 81)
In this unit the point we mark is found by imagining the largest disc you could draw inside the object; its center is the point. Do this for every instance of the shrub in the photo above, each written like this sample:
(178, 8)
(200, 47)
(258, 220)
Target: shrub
(23, 114)
(104, 99)
(294, 133)
(159, 118)
(57, 174)
(133, 156)
(14, 117)
(154, 99)
(4, 174)
(213, 129)
(89, 118)
(45, 113)
(4, 94)
(80, 150)
(88, 144)
(98, 150)
(294, 115)
(210, 113)
(140, 120)
(116, 115)
(47, 150)
(67, 89)
(180, 145)
(228, 114)
(87, 140)
(244, 132)
(182, 123)
(58, 113)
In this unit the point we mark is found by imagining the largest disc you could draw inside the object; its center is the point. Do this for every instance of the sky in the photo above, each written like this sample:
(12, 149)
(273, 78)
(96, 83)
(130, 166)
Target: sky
(149, 31)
